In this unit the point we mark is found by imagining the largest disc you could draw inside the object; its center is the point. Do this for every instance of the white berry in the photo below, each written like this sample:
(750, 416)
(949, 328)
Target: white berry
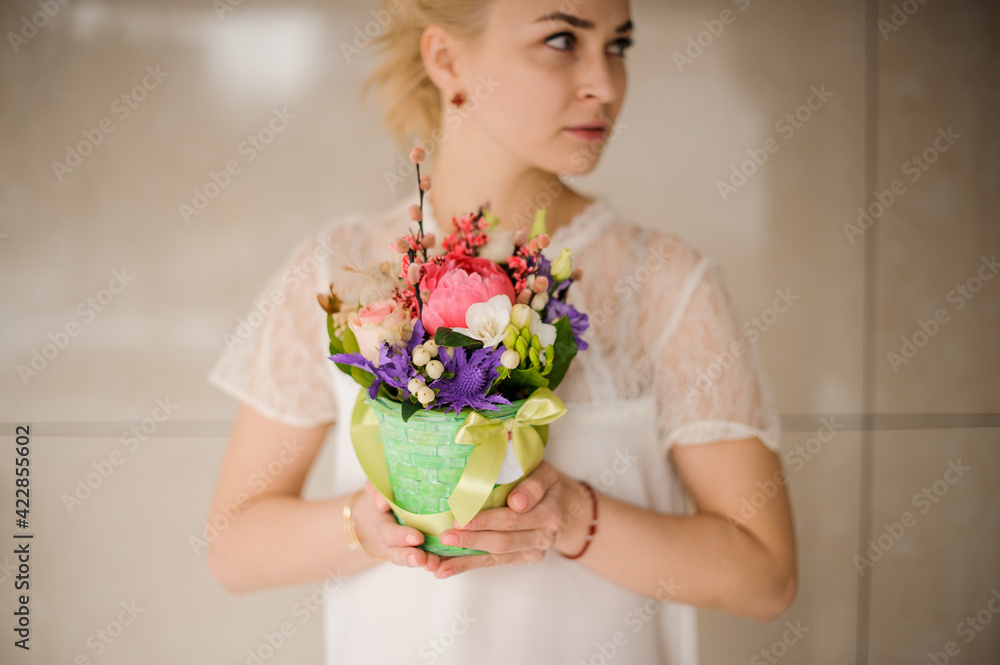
(425, 395)
(435, 369)
(420, 356)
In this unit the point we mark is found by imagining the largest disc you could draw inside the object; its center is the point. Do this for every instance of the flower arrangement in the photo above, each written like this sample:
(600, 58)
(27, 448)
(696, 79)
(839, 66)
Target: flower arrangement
(476, 326)
(480, 328)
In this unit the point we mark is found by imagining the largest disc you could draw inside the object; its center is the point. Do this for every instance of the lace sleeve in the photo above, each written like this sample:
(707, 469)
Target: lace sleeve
(275, 359)
(707, 377)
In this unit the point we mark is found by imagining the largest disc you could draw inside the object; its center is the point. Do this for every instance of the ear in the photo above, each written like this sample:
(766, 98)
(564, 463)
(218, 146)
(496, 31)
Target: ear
(439, 51)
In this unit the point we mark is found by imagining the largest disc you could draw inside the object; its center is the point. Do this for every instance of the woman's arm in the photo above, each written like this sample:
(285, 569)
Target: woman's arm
(268, 535)
(716, 559)
(712, 559)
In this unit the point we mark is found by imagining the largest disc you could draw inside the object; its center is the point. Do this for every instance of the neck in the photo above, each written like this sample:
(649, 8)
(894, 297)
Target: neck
(513, 191)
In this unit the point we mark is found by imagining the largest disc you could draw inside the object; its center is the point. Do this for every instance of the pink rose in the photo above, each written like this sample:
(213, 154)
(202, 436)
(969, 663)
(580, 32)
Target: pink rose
(456, 284)
(380, 321)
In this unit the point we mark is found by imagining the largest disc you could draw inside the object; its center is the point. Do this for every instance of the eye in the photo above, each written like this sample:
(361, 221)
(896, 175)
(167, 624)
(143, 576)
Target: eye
(568, 37)
(621, 45)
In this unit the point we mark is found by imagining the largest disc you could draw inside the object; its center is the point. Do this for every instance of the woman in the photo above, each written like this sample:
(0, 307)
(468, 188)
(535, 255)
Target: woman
(669, 417)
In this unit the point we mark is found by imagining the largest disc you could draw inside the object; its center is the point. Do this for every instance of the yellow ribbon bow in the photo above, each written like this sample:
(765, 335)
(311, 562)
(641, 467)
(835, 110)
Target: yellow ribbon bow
(475, 491)
(490, 436)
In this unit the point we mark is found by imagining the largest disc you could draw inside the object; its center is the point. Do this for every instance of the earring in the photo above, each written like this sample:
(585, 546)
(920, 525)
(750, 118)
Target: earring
(458, 100)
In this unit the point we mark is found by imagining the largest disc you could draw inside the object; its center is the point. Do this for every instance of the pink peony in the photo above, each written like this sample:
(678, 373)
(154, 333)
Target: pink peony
(380, 321)
(456, 284)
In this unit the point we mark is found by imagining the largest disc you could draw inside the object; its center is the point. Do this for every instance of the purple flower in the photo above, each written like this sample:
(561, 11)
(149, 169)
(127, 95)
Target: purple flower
(544, 267)
(394, 368)
(416, 337)
(474, 372)
(557, 309)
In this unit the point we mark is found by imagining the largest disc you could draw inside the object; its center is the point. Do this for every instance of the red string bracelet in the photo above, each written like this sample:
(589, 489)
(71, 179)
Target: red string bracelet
(593, 522)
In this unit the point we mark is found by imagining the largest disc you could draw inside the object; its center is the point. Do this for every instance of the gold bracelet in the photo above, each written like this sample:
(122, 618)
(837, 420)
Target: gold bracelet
(353, 542)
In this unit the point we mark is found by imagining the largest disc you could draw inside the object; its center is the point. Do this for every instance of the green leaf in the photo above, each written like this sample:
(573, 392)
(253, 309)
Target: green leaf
(520, 379)
(529, 377)
(448, 337)
(350, 341)
(350, 345)
(409, 408)
(363, 377)
(336, 344)
(565, 349)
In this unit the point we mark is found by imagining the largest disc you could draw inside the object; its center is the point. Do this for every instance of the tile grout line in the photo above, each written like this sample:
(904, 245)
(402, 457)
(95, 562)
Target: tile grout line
(791, 423)
(869, 327)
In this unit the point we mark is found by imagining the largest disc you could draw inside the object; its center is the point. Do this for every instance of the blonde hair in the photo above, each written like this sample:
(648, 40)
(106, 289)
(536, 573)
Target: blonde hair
(410, 101)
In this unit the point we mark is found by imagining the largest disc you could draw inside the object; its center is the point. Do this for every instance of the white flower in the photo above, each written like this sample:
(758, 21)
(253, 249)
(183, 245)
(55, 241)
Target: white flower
(499, 247)
(520, 315)
(510, 359)
(546, 331)
(487, 321)
(562, 267)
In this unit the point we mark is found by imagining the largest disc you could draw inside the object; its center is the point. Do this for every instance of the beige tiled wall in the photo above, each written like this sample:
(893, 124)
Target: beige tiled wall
(683, 129)
(939, 78)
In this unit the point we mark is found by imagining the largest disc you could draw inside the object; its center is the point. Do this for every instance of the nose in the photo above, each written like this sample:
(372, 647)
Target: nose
(598, 80)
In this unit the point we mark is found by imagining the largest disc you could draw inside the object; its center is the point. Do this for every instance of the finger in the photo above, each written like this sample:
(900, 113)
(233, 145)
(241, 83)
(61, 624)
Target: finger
(544, 515)
(501, 542)
(411, 557)
(380, 503)
(532, 489)
(433, 562)
(461, 564)
(396, 535)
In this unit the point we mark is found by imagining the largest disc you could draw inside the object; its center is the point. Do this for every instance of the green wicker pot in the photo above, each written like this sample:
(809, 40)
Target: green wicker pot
(424, 461)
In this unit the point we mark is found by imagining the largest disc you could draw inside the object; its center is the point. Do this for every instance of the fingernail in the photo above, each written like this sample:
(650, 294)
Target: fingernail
(446, 574)
(412, 539)
(450, 539)
(412, 559)
(519, 501)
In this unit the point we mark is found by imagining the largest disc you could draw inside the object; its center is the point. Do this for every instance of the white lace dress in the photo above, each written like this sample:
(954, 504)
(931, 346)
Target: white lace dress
(668, 364)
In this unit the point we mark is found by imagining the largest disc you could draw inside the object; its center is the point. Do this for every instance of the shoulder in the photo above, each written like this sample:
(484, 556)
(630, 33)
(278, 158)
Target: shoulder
(650, 254)
(637, 278)
(364, 232)
(343, 248)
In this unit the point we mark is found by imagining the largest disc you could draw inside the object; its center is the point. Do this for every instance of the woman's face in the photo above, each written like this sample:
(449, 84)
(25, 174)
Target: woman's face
(543, 67)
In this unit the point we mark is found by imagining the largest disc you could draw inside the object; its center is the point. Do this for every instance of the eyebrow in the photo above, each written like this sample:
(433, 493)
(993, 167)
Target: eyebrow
(578, 22)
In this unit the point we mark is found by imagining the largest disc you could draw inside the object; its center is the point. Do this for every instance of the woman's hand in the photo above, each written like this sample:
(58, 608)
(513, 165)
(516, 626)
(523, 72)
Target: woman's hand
(381, 535)
(543, 511)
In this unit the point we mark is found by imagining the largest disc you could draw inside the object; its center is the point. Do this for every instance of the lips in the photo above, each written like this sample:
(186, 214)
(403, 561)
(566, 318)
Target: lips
(590, 133)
